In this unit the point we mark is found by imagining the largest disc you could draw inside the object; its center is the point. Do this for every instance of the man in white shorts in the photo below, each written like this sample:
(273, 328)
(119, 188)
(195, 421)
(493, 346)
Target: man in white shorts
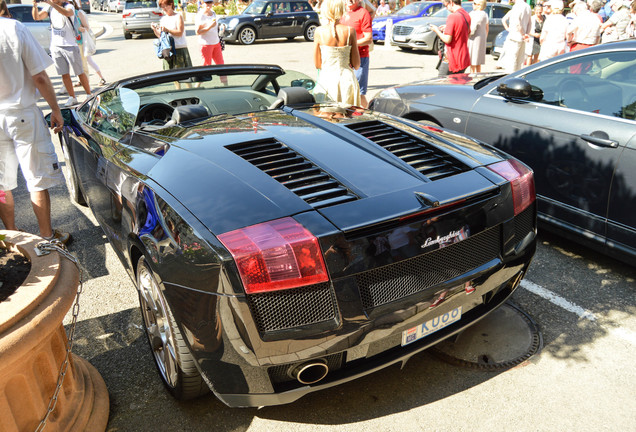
(24, 136)
(64, 48)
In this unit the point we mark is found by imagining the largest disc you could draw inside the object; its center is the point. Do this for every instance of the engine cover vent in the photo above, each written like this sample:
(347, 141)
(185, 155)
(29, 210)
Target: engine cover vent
(315, 186)
(421, 155)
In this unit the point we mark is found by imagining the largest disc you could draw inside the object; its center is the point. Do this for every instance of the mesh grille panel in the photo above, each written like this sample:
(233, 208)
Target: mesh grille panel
(396, 281)
(524, 223)
(290, 308)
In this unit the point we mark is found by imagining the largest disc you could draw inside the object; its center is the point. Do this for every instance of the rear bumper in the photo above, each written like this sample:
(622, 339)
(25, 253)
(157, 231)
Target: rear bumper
(357, 368)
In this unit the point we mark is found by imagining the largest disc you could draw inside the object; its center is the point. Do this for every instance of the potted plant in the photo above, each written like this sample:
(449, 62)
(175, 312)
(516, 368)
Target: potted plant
(191, 12)
(34, 349)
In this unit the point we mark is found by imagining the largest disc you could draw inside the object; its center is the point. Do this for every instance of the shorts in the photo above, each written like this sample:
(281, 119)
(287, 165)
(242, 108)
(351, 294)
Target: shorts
(180, 59)
(25, 140)
(362, 75)
(212, 53)
(66, 58)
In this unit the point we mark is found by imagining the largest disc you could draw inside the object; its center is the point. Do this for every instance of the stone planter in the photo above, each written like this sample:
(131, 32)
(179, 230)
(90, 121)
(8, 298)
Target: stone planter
(33, 348)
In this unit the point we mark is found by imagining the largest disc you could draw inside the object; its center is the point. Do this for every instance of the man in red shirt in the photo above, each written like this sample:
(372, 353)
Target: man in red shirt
(455, 36)
(360, 19)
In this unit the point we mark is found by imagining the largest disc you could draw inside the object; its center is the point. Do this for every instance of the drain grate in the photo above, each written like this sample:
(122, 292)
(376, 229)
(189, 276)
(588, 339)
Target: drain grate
(505, 338)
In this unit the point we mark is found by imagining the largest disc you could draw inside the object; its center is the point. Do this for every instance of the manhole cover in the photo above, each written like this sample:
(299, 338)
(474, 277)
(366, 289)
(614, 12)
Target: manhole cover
(505, 338)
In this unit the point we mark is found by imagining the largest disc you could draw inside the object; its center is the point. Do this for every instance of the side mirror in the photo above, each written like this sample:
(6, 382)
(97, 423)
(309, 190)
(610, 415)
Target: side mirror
(515, 88)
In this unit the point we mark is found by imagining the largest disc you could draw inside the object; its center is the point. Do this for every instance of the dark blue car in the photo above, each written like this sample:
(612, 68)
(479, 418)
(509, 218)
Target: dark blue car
(412, 10)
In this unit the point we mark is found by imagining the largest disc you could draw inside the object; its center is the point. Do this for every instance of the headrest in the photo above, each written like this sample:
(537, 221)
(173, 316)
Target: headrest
(185, 113)
(296, 96)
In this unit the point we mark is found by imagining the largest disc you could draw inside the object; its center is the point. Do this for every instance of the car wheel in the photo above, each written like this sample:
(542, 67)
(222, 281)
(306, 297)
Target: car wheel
(309, 32)
(247, 36)
(127, 35)
(173, 359)
(437, 45)
(72, 182)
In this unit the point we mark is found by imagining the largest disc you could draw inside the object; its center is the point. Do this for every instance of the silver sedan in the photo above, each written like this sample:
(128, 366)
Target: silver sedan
(41, 30)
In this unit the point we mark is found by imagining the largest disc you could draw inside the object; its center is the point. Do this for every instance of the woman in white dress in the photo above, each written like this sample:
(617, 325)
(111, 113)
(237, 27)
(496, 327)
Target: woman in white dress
(335, 55)
(478, 35)
(554, 32)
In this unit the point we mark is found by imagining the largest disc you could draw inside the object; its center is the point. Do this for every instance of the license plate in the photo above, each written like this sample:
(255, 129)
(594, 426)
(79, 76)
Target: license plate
(431, 326)
(142, 15)
(399, 38)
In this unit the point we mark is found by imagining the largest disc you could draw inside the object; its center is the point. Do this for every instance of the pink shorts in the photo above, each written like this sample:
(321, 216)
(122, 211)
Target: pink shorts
(210, 53)
(25, 140)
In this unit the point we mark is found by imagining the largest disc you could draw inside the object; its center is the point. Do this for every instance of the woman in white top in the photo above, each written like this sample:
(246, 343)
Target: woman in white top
(172, 23)
(478, 35)
(208, 31)
(554, 32)
(335, 55)
(87, 59)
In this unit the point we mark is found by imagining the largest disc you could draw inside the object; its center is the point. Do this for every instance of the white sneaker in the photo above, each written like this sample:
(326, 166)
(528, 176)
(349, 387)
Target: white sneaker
(71, 101)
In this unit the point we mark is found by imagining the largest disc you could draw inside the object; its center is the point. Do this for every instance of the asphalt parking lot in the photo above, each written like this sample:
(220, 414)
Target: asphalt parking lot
(583, 302)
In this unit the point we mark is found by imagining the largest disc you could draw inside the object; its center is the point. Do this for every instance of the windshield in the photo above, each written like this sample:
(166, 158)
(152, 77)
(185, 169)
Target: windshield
(412, 9)
(255, 8)
(443, 13)
(141, 4)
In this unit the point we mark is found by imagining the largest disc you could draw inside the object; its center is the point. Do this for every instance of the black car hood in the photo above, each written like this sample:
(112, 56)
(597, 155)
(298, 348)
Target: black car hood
(228, 183)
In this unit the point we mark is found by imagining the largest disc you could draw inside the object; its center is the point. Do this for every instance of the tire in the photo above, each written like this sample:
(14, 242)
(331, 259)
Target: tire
(437, 44)
(310, 30)
(127, 35)
(246, 36)
(173, 359)
(72, 181)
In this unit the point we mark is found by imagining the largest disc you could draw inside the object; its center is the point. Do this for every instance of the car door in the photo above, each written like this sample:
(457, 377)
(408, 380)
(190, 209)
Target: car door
(572, 137)
(299, 16)
(277, 20)
(94, 148)
(495, 26)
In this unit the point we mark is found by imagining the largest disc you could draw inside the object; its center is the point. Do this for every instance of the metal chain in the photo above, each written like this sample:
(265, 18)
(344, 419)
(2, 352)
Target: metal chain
(44, 248)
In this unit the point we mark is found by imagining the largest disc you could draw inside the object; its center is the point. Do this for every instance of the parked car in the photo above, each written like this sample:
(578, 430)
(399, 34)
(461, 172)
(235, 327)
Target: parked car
(411, 10)
(497, 47)
(41, 30)
(265, 19)
(572, 119)
(279, 246)
(85, 5)
(101, 5)
(138, 16)
(115, 6)
(416, 33)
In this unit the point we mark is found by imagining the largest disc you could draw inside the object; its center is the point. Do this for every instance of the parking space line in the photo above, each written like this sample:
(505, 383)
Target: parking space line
(558, 300)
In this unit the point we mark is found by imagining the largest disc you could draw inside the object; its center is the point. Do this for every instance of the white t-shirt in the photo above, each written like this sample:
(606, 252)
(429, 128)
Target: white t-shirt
(170, 22)
(211, 37)
(21, 57)
(62, 32)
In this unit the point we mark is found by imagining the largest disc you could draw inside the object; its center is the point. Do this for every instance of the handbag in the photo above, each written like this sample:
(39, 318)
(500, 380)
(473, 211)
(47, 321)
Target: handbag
(90, 43)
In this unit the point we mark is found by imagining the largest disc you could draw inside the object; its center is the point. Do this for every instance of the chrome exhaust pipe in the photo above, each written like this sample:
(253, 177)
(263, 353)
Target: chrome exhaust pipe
(310, 372)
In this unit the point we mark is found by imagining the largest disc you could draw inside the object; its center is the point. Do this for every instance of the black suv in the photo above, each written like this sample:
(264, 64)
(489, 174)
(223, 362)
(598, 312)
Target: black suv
(265, 19)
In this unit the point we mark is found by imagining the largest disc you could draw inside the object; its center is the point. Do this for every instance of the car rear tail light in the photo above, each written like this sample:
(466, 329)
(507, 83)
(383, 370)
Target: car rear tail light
(276, 255)
(521, 180)
(126, 15)
(157, 13)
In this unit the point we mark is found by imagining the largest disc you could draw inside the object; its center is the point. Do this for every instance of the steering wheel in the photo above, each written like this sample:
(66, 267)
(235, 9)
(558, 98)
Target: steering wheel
(154, 113)
(572, 94)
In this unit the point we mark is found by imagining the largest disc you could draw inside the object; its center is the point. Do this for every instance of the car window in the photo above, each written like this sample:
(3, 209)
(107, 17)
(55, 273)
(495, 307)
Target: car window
(601, 83)
(498, 12)
(258, 7)
(282, 7)
(115, 112)
(23, 14)
(140, 4)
